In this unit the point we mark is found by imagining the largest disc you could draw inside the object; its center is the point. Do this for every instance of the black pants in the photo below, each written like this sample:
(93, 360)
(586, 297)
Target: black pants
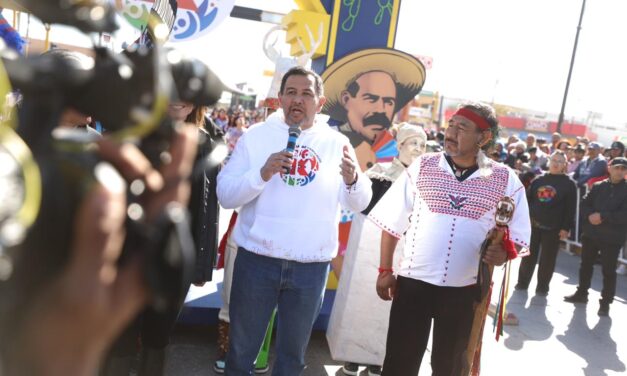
(415, 304)
(544, 243)
(590, 249)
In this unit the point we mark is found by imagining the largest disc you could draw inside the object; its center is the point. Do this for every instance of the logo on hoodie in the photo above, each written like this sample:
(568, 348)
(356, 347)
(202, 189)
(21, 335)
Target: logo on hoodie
(305, 166)
(546, 193)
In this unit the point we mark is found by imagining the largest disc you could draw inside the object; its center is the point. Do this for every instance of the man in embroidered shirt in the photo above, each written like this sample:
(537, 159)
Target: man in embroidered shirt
(287, 227)
(444, 205)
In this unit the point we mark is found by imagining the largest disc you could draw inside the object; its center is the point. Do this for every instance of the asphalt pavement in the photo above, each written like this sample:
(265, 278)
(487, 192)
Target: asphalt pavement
(552, 338)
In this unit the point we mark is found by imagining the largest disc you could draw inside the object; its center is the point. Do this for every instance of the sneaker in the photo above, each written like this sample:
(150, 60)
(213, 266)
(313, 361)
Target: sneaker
(576, 298)
(350, 369)
(374, 370)
(604, 310)
(219, 365)
(261, 370)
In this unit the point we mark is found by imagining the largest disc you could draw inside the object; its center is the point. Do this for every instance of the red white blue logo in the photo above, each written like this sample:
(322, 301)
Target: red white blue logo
(546, 193)
(305, 166)
(194, 18)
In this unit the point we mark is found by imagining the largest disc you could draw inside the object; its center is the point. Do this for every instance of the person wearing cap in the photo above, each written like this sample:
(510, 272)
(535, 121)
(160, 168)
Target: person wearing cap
(444, 207)
(604, 210)
(617, 149)
(287, 227)
(365, 90)
(593, 166)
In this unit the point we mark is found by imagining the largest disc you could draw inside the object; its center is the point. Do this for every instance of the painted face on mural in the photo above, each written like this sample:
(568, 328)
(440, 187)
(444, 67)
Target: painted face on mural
(299, 100)
(370, 104)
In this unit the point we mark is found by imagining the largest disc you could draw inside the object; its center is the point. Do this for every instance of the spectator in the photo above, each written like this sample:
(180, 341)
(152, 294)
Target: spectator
(517, 151)
(234, 132)
(578, 153)
(617, 149)
(555, 139)
(501, 153)
(537, 160)
(564, 146)
(531, 141)
(604, 210)
(222, 120)
(552, 202)
(593, 166)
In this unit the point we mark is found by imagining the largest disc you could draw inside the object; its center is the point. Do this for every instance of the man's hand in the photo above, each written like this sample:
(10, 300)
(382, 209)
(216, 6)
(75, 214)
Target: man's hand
(564, 234)
(495, 255)
(595, 218)
(348, 170)
(386, 285)
(276, 163)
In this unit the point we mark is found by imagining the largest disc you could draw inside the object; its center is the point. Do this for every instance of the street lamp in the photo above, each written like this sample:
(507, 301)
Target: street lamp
(570, 70)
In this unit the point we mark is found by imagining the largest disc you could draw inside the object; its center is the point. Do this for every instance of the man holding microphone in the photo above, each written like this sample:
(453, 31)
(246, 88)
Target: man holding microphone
(287, 227)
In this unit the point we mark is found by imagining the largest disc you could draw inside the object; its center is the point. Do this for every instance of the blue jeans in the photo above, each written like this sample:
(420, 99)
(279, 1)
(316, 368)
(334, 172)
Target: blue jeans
(259, 285)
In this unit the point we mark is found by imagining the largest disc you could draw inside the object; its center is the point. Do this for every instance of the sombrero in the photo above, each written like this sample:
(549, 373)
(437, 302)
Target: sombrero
(408, 71)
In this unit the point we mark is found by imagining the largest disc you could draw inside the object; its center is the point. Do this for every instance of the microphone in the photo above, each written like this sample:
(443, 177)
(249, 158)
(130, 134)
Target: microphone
(293, 134)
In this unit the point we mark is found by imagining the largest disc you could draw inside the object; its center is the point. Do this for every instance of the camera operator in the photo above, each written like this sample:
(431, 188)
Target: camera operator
(74, 319)
(153, 327)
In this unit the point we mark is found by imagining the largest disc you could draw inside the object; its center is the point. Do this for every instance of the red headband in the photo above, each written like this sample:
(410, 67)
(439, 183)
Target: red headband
(474, 117)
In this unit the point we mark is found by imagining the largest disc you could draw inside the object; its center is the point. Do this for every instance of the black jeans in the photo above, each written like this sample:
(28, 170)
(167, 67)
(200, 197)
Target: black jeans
(544, 243)
(415, 304)
(590, 249)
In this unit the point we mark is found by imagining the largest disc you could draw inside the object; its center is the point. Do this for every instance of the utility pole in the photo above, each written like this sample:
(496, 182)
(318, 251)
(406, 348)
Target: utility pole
(570, 70)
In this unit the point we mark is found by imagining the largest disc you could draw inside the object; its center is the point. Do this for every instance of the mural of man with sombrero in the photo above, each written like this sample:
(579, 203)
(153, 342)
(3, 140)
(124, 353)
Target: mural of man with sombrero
(365, 90)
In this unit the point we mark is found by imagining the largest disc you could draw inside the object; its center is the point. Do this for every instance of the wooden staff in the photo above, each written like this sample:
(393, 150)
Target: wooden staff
(503, 215)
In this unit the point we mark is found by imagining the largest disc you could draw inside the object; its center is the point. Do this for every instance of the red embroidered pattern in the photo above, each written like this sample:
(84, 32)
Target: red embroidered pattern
(383, 227)
(471, 198)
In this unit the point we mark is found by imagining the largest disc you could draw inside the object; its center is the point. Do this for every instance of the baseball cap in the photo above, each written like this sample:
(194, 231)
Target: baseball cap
(619, 161)
(594, 145)
(618, 145)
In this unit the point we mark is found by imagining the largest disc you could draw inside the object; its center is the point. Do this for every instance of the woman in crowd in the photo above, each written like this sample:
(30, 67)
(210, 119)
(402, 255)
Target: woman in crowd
(235, 131)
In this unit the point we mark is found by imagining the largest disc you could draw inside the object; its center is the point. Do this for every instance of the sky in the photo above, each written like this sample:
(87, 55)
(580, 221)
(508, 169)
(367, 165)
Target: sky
(510, 52)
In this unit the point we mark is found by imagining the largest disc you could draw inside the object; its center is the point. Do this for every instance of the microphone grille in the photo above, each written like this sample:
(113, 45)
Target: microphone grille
(294, 131)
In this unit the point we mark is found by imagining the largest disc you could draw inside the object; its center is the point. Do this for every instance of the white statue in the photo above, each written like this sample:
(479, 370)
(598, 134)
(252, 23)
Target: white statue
(411, 142)
(283, 64)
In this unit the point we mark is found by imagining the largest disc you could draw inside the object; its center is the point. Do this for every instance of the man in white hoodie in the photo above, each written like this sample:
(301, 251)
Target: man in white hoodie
(288, 223)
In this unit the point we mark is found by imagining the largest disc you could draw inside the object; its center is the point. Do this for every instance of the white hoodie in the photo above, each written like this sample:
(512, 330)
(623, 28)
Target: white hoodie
(295, 216)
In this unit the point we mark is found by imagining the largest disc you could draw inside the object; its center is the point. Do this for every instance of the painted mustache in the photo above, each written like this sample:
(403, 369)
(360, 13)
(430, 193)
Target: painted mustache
(378, 118)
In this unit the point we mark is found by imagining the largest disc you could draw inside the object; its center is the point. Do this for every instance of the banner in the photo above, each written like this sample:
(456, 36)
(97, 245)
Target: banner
(194, 18)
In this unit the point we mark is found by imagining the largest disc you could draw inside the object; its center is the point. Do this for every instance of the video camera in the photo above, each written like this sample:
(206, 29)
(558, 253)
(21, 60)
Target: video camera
(128, 93)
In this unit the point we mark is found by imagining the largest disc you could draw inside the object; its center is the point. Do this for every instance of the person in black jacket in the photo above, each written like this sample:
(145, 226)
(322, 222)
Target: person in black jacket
(604, 211)
(552, 202)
